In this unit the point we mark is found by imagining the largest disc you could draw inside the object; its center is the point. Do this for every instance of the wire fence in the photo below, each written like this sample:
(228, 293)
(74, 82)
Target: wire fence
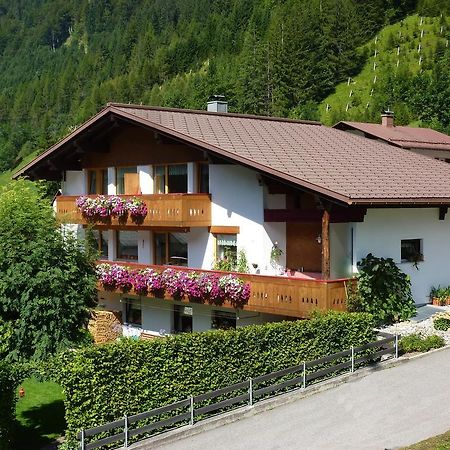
(193, 409)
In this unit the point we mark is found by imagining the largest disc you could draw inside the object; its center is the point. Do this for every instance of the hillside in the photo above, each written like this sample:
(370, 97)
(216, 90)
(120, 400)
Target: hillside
(62, 60)
(399, 57)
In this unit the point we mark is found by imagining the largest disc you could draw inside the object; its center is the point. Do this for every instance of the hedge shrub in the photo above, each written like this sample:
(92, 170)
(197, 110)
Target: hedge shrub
(417, 343)
(103, 383)
(10, 377)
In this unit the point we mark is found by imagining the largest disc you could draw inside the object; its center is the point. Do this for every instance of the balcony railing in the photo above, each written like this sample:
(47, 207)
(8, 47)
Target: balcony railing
(164, 210)
(279, 295)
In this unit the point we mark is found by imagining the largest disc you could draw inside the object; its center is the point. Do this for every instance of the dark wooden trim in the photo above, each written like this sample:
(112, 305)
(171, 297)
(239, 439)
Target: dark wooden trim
(326, 245)
(297, 215)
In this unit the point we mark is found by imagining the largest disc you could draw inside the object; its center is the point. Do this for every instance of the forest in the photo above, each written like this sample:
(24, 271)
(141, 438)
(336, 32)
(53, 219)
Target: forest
(61, 61)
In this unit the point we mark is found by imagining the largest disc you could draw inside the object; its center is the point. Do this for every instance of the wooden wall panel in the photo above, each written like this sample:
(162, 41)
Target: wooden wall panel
(302, 248)
(132, 146)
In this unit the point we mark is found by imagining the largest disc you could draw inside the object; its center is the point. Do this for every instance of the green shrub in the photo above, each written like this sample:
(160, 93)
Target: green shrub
(10, 377)
(417, 343)
(102, 383)
(383, 290)
(441, 323)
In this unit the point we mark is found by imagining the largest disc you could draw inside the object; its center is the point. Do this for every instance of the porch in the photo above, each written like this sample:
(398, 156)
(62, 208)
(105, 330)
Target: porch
(288, 296)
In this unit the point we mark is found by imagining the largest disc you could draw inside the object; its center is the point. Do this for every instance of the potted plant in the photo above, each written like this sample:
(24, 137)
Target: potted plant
(440, 296)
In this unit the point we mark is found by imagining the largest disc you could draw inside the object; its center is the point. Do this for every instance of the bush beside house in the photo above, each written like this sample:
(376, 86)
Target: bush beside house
(10, 377)
(383, 290)
(103, 383)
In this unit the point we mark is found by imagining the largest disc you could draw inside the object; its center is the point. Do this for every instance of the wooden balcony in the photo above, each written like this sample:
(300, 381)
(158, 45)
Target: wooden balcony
(280, 295)
(164, 210)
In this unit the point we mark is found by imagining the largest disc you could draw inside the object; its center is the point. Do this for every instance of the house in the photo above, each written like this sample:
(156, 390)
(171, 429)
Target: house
(425, 141)
(303, 201)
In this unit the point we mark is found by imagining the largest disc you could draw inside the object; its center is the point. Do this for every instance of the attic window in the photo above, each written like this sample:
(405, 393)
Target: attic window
(411, 250)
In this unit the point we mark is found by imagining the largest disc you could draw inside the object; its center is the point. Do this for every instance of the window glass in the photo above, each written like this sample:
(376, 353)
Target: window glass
(121, 171)
(226, 246)
(222, 320)
(411, 250)
(160, 248)
(203, 178)
(127, 245)
(160, 179)
(178, 249)
(182, 319)
(177, 182)
(92, 182)
(101, 240)
(104, 174)
(133, 311)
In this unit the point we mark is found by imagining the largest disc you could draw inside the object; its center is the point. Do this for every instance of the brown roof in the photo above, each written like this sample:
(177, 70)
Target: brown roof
(332, 162)
(406, 137)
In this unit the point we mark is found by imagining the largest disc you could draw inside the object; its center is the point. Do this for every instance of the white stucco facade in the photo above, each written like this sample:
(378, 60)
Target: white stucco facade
(238, 200)
(381, 234)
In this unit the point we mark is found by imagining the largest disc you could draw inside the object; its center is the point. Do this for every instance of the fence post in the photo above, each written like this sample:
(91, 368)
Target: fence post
(191, 409)
(82, 440)
(304, 375)
(250, 391)
(353, 359)
(396, 346)
(125, 430)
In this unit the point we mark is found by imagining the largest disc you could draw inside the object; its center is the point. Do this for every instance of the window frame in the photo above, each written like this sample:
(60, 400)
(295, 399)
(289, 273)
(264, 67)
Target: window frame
(101, 175)
(117, 168)
(215, 315)
(166, 177)
(99, 243)
(129, 303)
(119, 258)
(167, 249)
(417, 243)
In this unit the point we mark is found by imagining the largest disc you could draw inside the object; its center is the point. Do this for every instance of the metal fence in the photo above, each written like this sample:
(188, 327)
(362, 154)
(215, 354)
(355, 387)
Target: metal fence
(195, 408)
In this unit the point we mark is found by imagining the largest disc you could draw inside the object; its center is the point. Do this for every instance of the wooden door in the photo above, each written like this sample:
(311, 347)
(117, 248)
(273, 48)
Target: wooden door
(302, 248)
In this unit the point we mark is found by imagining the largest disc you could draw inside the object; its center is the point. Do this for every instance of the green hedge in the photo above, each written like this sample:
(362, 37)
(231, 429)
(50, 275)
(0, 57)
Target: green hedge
(103, 383)
(10, 377)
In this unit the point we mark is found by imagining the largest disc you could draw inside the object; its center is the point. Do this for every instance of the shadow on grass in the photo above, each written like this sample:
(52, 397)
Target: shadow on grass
(40, 426)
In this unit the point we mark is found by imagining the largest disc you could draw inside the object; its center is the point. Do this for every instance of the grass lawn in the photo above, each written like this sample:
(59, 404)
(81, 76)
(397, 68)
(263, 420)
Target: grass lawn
(441, 442)
(40, 415)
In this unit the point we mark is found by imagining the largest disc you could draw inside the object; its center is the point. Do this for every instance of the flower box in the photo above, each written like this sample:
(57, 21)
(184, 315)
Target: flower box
(178, 284)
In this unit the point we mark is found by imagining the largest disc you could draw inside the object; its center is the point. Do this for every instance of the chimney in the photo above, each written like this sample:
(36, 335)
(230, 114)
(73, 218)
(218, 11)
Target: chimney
(217, 103)
(387, 119)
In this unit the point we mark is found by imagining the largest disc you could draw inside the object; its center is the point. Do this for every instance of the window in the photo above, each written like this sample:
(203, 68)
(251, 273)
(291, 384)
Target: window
(127, 245)
(100, 239)
(133, 311)
(222, 320)
(97, 181)
(127, 180)
(226, 246)
(171, 249)
(203, 178)
(182, 319)
(170, 178)
(411, 250)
